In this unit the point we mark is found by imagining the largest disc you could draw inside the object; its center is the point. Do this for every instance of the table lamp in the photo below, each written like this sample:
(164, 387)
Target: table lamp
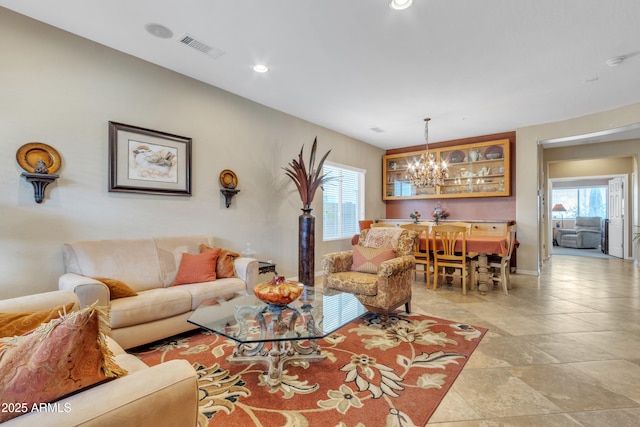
(558, 207)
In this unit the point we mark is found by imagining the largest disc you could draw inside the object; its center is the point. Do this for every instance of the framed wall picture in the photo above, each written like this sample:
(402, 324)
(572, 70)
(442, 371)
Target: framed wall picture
(147, 161)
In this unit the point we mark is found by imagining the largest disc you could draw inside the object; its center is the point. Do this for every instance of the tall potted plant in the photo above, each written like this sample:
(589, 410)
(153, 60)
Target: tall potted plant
(307, 182)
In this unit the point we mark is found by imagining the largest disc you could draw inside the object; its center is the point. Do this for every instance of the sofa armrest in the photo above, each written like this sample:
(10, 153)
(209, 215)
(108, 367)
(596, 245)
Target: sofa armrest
(336, 262)
(247, 270)
(163, 395)
(396, 266)
(88, 290)
(38, 302)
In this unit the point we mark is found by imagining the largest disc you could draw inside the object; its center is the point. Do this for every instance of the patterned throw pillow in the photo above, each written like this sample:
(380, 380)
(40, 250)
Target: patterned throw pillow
(117, 289)
(197, 268)
(61, 357)
(224, 265)
(20, 323)
(367, 260)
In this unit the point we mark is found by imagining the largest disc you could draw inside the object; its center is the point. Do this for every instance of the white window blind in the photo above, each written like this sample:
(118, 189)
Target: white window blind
(342, 201)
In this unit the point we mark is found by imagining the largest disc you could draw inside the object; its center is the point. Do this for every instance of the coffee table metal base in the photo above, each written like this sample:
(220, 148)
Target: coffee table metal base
(275, 357)
(275, 353)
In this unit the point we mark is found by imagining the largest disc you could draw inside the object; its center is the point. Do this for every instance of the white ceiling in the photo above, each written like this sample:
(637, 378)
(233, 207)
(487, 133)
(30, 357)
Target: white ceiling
(474, 67)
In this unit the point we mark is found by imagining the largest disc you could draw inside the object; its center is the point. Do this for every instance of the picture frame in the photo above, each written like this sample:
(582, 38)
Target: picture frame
(148, 161)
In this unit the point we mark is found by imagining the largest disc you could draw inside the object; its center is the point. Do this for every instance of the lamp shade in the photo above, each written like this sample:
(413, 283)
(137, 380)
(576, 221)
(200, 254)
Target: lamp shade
(558, 207)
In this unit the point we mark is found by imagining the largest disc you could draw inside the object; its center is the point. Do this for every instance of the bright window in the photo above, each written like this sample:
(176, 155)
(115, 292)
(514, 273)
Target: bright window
(580, 201)
(342, 201)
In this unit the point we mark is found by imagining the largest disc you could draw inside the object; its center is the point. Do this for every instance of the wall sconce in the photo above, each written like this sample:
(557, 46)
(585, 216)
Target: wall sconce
(229, 182)
(40, 162)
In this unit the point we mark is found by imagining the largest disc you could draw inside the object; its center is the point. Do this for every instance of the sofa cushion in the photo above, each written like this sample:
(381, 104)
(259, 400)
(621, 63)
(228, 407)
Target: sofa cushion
(22, 322)
(197, 268)
(203, 291)
(58, 358)
(117, 289)
(367, 260)
(224, 264)
(132, 261)
(150, 305)
(170, 250)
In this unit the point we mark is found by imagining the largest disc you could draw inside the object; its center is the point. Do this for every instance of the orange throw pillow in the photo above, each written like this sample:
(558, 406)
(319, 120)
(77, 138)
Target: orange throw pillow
(367, 260)
(197, 268)
(58, 358)
(20, 323)
(224, 265)
(117, 289)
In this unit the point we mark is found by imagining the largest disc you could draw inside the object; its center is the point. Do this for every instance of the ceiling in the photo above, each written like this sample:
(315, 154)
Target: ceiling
(365, 70)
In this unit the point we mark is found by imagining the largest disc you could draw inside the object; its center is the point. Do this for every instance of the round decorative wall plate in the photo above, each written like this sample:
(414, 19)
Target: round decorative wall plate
(493, 152)
(456, 156)
(29, 154)
(228, 179)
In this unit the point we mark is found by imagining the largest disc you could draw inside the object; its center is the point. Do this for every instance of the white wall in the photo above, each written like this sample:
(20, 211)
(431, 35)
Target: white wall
(62, 90)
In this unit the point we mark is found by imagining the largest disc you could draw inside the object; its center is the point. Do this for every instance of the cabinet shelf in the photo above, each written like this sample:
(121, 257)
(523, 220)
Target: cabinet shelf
(475, 170)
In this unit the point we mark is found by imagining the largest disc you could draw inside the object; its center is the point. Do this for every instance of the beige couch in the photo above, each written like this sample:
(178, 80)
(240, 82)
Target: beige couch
(149, 266)
(161, 395)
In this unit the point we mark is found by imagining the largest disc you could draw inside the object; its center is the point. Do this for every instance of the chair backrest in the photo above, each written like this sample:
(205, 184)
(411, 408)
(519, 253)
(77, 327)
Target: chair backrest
(365, 223)
(444, 239)
(468, 225)
(399, 239)
(511, 240)
(424, 232)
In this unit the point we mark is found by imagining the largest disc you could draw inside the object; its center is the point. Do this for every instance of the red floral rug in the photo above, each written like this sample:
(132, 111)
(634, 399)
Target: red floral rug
(371, 376)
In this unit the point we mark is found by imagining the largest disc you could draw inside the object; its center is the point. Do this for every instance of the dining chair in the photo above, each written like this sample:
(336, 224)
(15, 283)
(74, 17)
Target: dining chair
(503, 263)
(445, 253)
(422, 250)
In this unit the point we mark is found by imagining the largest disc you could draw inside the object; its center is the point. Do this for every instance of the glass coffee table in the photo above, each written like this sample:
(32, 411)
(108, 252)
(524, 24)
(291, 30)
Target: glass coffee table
(274, 334)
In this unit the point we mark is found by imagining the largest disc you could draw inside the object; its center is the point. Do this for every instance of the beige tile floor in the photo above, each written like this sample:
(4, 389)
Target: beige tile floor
(563, 349)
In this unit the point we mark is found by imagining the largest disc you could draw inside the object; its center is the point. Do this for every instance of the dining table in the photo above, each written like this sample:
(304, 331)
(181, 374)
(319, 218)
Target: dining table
(484, 245)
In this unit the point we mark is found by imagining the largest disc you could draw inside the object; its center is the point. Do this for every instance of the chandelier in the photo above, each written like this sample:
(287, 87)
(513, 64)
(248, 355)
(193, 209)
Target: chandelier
(425, 172)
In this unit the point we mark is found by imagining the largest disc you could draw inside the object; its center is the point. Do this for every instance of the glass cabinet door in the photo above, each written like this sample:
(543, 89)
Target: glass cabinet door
(397, 185)
(475, 170)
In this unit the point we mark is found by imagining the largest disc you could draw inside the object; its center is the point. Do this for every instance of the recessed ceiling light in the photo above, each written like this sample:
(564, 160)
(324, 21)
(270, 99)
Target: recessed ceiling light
(400, 4)
(260, 68)
(159, 31)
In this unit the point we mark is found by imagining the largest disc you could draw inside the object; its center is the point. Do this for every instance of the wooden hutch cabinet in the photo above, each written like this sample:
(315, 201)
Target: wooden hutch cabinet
(475, 170)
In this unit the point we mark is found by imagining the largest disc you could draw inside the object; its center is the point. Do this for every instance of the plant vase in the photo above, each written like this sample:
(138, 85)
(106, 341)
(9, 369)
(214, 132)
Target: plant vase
(306, 247)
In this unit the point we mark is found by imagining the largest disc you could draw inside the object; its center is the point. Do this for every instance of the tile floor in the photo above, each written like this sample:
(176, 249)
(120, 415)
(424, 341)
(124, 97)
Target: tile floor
(563, 349)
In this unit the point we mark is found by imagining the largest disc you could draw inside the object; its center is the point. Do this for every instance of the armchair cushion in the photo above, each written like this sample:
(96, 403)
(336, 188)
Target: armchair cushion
(354, 282)
(368, 260)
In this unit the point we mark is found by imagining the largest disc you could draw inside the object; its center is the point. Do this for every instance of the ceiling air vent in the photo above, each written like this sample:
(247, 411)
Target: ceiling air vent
(200, 46)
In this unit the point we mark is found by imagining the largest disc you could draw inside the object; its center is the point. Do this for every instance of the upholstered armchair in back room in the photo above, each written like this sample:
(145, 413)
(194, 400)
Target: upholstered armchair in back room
(586, 234)
(378, 271)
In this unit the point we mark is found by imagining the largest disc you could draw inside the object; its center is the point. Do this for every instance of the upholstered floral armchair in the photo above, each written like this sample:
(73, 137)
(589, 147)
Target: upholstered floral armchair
(378, 271)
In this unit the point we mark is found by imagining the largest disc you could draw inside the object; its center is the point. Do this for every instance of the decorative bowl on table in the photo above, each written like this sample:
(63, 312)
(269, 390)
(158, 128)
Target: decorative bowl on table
(278, 291)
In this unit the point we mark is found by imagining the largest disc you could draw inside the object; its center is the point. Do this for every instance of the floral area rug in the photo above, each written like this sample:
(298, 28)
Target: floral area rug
(371, 376)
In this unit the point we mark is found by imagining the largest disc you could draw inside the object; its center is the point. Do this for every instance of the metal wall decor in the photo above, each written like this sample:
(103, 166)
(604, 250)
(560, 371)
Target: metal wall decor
(229, 182)
(40, 162)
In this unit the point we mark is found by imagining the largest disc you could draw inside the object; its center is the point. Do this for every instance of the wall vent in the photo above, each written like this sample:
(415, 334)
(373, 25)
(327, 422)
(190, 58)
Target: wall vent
(201, 46)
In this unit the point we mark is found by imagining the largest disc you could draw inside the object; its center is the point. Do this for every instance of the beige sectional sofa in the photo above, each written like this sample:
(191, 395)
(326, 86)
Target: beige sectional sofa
(161, 395)
(148, 266)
